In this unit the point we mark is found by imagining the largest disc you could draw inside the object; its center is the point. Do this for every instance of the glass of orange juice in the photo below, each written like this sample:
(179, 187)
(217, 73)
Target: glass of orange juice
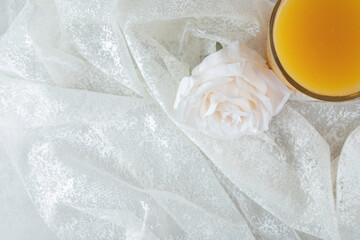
(314, 47)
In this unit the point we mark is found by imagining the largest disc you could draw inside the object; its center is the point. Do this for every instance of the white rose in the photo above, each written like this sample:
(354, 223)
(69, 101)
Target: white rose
(230, 94)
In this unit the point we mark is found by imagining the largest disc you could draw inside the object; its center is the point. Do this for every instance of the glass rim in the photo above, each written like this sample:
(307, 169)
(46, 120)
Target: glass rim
(287, 77)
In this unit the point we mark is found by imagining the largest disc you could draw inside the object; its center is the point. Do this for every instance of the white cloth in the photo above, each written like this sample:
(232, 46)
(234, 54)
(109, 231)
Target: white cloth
(86, 119)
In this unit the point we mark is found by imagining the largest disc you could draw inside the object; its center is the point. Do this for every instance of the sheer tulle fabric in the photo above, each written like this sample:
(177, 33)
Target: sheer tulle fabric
(86, 104)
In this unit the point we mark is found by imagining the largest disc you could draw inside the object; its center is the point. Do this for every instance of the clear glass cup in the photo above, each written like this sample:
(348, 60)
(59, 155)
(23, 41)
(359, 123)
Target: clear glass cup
(275, 64)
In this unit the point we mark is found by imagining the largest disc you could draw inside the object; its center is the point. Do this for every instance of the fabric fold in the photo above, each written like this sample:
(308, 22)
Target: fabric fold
(86, 119)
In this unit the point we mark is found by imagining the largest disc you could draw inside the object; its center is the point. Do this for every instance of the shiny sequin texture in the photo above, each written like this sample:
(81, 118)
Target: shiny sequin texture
(87, 125)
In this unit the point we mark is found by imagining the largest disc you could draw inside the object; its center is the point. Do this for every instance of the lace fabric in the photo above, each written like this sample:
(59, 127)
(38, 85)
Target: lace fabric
(86, 95)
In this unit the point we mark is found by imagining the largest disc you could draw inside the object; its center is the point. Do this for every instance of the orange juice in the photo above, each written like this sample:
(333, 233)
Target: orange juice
(318, 44)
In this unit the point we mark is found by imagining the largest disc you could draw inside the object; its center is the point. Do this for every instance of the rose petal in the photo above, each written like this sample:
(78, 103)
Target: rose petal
(207, 86)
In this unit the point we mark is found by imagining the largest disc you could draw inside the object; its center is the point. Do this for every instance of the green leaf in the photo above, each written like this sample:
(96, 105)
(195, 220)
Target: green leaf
(190, 71)
(218, 46)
